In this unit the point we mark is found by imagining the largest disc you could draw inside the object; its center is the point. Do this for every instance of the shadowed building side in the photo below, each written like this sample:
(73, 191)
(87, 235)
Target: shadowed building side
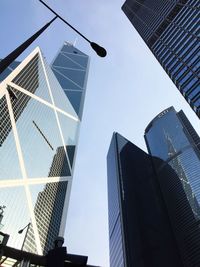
(171, 137)
(140, 230)
(51, 200)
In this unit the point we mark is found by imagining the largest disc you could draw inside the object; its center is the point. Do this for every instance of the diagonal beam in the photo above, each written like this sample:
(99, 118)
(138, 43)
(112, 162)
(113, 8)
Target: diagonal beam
(4, 63)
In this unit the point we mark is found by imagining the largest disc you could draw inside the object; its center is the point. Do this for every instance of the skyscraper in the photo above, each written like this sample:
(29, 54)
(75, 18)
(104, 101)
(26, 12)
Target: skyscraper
(71, 69)
(139, 228)
(38, 137)
(171, 137)
(151, 222)
(171, 30)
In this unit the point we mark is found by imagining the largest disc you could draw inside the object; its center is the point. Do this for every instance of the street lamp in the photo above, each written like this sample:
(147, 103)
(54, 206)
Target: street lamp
(21, 231)
(4, 63)
(97, 48)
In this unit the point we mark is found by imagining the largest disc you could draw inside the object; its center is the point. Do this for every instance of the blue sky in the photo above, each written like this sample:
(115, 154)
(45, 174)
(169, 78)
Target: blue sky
(125, 91)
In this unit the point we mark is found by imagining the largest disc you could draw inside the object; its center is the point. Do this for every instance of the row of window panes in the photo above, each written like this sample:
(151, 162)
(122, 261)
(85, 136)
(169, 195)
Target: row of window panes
(172, 37)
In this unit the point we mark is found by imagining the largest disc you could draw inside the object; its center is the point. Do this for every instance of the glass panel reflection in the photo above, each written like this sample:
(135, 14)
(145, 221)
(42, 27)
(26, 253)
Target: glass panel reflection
(187, 167)
(58, 95)
(9, 162)
(65, 62)
(39, 137)
(69, 128)
(81, 60)
(77, 76)
(32, 79)
(167, 135)
(65, 82)
(49, 197)
(75, 99)
(16, 214)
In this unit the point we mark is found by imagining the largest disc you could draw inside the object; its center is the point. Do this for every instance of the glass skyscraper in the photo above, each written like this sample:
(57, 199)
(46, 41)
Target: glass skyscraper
(70, 68)
(39, 126)
(171, 30)
(141, 233)
(171, 137)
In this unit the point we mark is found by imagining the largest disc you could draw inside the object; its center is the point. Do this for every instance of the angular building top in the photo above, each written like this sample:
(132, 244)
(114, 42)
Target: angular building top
(70, 67)
(38, 137)
(171, 31)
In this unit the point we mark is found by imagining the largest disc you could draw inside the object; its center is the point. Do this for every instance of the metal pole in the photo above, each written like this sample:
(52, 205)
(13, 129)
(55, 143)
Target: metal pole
(4, 63)
(64, 21)
(101, 51)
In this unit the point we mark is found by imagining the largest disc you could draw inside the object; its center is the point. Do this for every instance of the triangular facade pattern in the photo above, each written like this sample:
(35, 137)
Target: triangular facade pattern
(38, 138)
(70, 68)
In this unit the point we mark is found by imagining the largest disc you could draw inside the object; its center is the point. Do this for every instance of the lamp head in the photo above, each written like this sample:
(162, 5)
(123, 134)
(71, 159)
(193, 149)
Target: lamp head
(21, 231)
(98, 49)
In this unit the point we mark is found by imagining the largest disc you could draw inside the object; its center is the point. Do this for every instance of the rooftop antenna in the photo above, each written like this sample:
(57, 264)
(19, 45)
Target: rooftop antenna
(76, 39)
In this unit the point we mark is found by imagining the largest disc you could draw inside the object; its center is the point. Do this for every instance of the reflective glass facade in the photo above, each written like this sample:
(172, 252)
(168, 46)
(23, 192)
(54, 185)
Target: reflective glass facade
(171, 138)
(117, 257)
(140, 231)
(38, 137)
(171, 30)
(71, 69)
(8, 70)
(167, 137)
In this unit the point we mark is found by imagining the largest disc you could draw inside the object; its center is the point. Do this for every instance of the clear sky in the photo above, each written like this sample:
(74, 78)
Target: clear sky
(125, 91)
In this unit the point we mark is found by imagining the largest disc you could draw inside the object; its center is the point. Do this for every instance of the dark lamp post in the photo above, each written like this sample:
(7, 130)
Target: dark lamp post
(4, 63)
(21, 231)
(97, 48)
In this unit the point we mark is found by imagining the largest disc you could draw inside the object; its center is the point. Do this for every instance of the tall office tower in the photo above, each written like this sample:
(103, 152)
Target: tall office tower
(38, 137)
(139, 229)
(148, 217)
(171, 137)
(171, 30)
(70, 68)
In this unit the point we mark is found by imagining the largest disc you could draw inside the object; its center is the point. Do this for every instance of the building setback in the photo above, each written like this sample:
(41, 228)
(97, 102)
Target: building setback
(38, 137)
(151, 222)
(171, 31)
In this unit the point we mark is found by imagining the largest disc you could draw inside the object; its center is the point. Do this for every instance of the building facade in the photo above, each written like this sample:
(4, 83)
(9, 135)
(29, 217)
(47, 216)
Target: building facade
(171, 31)
(171, 137)
(140, 230)
(38, 137)
(71, 69)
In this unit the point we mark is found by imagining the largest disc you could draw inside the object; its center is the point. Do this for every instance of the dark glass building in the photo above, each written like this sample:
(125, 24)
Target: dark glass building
(151, 222)
(171, 137)
(171, 30)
